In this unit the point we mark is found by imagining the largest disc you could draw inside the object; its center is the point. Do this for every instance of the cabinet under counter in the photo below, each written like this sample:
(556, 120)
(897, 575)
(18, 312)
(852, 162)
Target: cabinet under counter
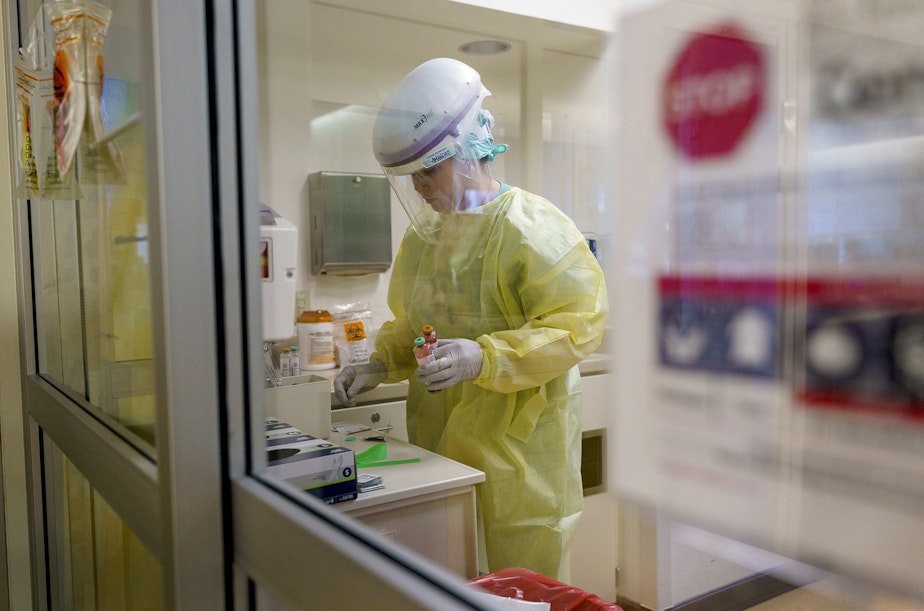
(427, 505)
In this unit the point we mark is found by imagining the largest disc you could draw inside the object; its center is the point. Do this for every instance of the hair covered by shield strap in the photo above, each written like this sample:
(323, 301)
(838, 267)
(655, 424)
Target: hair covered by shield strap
(480, 141)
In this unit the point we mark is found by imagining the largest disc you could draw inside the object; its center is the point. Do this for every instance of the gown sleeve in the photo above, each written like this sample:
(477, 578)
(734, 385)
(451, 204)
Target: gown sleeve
(547, 274)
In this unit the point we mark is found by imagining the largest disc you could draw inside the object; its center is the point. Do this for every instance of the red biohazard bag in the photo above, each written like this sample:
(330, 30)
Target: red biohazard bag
(523, 584)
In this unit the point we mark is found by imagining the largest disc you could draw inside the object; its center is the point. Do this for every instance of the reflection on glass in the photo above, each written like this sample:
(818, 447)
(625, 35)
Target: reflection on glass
(104, 564)
(866, 145)
(89, 237)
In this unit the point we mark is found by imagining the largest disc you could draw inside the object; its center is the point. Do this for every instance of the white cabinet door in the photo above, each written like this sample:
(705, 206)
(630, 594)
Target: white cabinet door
(593, 553)
(598, 397)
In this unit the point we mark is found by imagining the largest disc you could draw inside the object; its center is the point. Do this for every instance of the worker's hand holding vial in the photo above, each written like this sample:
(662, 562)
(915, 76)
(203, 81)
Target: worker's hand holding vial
(454, 360)
(354, 379)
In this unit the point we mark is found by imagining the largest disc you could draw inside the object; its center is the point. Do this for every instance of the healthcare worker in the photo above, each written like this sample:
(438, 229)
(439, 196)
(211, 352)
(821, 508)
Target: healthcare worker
(510, 283)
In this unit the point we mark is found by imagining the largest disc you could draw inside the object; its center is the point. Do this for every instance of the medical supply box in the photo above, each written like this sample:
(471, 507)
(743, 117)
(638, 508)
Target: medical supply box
(317, 466)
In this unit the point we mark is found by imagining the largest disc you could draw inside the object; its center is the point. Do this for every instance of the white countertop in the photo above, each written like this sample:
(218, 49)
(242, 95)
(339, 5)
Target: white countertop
(433, 474)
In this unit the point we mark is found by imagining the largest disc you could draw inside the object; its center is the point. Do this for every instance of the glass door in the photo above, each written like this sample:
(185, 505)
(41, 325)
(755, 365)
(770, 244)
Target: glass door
(110, 412)
(134, 211)
(82, 208)
(311, 86)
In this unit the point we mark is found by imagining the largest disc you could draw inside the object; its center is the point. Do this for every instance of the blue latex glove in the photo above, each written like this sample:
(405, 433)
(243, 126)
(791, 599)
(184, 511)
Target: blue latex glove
(354, 379)
(455, 360)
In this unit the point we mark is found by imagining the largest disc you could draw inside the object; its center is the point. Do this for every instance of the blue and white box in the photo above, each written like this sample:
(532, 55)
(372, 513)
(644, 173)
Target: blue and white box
(317, 466)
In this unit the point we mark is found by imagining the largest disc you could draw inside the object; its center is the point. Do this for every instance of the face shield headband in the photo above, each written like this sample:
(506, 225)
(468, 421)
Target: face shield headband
(444, 180)
(443, 143)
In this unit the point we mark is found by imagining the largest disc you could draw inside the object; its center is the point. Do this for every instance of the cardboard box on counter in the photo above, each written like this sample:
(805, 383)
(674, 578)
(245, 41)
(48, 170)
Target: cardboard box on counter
(303, 401)
(317, 466)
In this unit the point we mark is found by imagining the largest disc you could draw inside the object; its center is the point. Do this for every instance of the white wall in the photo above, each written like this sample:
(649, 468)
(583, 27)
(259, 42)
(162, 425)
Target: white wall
(308, 126)
(325, 69)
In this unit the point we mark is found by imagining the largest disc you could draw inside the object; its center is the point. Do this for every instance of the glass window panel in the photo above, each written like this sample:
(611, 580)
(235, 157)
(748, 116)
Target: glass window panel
(575, 129)
(103, 564)
(90, 250)
(319, 94)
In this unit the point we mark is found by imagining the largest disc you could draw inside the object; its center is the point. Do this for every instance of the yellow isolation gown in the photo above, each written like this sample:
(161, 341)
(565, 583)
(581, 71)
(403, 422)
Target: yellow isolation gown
(516, 276)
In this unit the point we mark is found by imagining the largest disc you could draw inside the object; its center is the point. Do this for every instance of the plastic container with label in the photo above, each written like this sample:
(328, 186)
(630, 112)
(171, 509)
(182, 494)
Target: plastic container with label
(315, 340)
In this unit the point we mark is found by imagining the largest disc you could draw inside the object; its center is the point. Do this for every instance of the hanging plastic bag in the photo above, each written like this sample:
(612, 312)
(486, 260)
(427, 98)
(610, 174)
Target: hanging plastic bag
(54, 183)
(70, 80)
(27, 184)
(30, 77)
(80, 28)
(101, 160)
(37, 174)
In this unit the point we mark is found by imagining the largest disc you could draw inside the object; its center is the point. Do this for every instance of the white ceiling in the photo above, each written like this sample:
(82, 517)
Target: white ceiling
(348, 37)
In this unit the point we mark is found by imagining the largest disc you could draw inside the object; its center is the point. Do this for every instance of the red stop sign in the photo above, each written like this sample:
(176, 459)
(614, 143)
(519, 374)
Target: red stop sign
(713, 92)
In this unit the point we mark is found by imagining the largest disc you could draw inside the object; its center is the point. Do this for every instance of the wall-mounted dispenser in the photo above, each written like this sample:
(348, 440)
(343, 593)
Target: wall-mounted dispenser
(350, 223)
(278, 255)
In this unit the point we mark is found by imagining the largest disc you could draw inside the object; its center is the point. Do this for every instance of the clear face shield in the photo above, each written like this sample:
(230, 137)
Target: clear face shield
(439, 186)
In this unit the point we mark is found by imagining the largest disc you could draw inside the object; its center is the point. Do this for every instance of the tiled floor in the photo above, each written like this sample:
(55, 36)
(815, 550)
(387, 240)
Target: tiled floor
(805, 599)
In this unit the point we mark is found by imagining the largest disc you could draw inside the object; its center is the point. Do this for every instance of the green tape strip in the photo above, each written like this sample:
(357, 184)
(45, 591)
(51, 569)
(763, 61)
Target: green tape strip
(374, 457)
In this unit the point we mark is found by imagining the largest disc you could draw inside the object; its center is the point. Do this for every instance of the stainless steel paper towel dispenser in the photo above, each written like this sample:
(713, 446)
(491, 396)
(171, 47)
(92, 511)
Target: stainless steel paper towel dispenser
(350, 223)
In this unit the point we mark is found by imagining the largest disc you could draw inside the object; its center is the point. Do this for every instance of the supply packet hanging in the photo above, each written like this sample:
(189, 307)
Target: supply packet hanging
(70, 80)
(351, 325)
(80, 28)
(101, 158)
(54, 184)
(35, 112)
(30, 78)
(27, 183)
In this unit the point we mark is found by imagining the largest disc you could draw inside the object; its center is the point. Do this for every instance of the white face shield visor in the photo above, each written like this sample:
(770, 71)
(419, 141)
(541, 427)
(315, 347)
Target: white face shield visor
(441, 184)
(423, 139)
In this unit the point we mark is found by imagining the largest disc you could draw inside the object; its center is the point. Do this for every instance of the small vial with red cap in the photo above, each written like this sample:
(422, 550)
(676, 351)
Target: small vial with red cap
(422, 351)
